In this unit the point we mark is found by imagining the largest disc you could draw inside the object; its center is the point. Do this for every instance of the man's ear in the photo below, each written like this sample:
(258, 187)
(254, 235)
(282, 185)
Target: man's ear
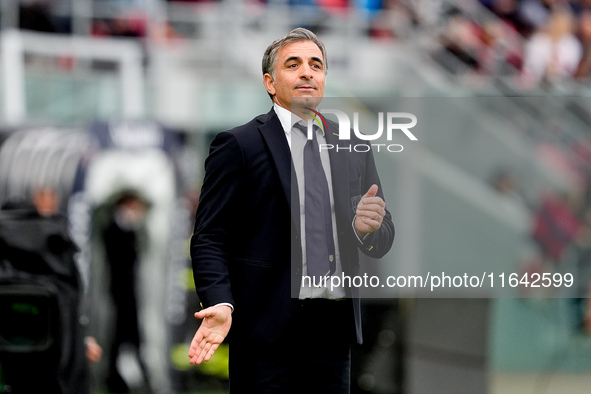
(269, 83)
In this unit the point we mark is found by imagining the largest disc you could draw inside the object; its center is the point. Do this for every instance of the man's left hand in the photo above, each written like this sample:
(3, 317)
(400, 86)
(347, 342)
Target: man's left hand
(370, 212)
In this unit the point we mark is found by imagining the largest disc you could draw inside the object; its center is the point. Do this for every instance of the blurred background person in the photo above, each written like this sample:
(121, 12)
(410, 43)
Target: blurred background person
(583, 70)
(120, 239)
(552, 53)
(37, 261)
(47, 202)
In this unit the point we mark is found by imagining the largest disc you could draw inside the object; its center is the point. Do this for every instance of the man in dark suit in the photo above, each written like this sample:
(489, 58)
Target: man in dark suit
(252, 242)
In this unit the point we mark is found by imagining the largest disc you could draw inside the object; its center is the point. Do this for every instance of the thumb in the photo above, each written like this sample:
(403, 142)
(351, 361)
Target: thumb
(373, 190)
(207, 312)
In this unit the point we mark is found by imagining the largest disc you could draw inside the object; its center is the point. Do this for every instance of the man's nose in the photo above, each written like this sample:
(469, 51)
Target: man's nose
(306, 72)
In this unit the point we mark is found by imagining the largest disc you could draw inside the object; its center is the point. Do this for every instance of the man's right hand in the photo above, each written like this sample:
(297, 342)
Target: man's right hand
(213, 330)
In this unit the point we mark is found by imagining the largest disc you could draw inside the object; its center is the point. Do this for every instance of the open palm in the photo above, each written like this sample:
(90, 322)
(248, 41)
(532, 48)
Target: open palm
(214, 328)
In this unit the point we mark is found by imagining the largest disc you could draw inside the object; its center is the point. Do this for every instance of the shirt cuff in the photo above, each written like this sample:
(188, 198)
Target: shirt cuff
(355, 231)
(225, 304)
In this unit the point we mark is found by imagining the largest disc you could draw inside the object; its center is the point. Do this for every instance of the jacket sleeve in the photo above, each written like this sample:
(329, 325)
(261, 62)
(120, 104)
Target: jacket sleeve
(210, 243)
(379, 242)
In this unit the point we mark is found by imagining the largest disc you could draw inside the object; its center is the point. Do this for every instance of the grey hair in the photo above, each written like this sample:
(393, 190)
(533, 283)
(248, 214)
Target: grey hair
(297, 34)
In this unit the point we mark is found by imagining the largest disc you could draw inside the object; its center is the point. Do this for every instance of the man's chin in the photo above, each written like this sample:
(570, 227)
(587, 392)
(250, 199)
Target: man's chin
(303, 102)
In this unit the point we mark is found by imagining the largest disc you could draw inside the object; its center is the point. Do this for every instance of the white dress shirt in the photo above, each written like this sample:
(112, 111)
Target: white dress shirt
(297, 141)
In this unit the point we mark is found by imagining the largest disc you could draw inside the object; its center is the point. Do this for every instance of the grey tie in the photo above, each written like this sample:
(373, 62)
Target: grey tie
(319, 237)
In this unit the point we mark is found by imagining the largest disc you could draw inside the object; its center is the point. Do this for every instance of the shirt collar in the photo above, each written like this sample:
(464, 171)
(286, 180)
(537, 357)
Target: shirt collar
(287, 118)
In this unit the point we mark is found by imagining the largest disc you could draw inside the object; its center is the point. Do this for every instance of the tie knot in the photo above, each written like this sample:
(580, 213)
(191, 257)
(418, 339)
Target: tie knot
(303, 127)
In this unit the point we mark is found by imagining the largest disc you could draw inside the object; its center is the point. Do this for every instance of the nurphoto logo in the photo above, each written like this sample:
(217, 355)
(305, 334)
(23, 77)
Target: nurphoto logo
(391, 119)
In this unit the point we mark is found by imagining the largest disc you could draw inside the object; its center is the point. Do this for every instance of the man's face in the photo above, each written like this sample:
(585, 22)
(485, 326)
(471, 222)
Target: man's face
(299, 73)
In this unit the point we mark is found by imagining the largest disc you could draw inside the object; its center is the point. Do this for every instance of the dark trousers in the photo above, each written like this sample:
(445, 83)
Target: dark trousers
(313, 357)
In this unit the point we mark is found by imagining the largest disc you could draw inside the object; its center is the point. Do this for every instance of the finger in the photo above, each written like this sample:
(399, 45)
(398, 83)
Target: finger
(373, 190)
(208, 312)
(196, 343)
(373, 212)
(376, 206)
(192, 351)
(193, 358)
(372, 224)
(203, 353)
(196, 358)
(377, 217)
(211, 352)
(192, 347)
(197, 339)
(373, 201)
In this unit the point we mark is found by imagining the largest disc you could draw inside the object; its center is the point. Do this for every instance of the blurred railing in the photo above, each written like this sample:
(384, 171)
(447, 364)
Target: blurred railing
(49, 56)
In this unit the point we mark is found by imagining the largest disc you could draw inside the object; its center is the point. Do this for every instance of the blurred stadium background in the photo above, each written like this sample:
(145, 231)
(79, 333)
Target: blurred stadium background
(102, 96)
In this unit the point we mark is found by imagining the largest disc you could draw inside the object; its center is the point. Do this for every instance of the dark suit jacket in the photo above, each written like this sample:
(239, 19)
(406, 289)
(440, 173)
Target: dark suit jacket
(246, 248)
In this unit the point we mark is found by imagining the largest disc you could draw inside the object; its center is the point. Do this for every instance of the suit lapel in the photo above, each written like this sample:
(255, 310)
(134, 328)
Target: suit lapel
(274, 137)
(339, 167)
